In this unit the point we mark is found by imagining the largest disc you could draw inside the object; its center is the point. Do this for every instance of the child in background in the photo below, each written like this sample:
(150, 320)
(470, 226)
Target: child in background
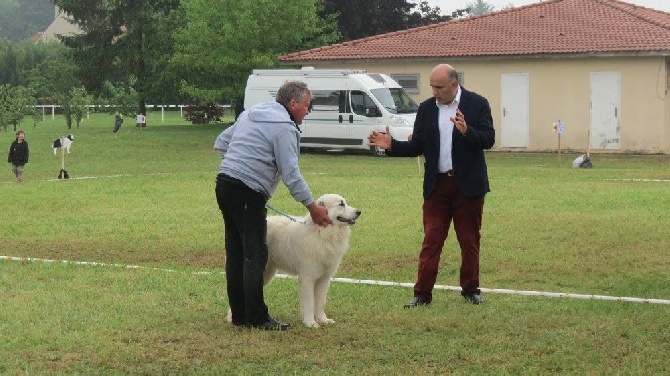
(18, 155)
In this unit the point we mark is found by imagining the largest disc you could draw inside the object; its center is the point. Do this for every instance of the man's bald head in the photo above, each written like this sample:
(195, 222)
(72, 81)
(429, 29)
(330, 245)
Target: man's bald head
(444, 82)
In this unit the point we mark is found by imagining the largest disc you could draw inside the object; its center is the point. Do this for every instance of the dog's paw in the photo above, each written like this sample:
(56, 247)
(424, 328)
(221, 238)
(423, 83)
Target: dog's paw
(229, 316)
(325, 321)
(311, 324)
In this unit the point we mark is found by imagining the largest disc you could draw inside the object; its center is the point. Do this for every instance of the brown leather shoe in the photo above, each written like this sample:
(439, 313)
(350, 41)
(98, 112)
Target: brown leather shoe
(415, 302)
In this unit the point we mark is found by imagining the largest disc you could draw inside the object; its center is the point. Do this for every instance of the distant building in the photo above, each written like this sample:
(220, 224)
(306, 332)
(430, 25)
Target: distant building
(62, 25)
(601, 67)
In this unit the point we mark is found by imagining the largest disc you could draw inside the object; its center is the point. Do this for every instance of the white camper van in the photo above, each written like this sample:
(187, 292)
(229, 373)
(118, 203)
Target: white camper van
(347, 105)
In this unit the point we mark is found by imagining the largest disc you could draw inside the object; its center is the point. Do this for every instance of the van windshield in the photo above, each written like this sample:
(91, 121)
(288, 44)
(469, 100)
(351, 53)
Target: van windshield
(395, 100)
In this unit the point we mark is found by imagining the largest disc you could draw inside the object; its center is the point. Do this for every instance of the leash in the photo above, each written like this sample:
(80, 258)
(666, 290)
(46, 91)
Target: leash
(284, 214)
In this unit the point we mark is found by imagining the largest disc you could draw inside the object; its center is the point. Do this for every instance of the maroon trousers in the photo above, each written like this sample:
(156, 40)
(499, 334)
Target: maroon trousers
(445, 204)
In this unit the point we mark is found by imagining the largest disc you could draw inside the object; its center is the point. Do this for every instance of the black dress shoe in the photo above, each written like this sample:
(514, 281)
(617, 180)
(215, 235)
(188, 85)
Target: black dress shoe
(472, 298)
(415, 302)
(272, 324)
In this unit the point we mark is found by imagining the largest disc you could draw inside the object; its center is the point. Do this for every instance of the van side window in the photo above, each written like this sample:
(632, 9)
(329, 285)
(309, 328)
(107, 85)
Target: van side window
(325, 100)
(363, 105)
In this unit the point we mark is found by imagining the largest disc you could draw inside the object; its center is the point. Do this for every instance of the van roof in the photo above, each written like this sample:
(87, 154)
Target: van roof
(368, 80)
(307, 71)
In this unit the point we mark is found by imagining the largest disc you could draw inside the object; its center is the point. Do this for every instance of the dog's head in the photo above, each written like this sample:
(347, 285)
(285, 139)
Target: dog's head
(338, 209)
(70, 137)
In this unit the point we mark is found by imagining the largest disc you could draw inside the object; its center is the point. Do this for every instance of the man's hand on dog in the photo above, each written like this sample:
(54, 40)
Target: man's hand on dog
(319, 214)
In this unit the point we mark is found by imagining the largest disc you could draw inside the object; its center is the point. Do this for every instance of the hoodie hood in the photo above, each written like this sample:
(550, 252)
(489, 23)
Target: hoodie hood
(270, 112)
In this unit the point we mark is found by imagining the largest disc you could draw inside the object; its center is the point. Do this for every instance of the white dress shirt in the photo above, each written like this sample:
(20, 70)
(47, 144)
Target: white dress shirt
(447, 111)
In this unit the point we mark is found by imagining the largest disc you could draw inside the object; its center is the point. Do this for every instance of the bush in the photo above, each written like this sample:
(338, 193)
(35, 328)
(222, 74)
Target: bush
(204, 113)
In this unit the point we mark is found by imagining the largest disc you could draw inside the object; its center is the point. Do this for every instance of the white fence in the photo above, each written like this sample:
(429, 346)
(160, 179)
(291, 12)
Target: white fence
(53, 107)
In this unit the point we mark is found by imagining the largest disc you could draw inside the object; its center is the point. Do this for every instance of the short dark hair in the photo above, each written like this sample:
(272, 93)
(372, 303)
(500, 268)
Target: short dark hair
(291, 90)
(453, 75)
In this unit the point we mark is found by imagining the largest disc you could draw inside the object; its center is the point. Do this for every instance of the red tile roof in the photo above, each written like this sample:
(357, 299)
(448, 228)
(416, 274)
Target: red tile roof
(551, 27)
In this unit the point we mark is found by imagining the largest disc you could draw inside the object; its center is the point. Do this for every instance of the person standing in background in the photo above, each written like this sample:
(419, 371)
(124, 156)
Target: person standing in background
(141, 120)
(18, 155)
(118, 120)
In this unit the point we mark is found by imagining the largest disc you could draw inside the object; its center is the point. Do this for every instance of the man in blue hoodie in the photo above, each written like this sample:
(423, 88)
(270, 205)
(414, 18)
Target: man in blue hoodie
(258, 151)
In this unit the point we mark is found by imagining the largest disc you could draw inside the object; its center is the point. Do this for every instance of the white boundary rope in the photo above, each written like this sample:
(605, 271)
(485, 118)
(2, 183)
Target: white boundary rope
(512, 292)
(370, 282)
(320, 173)
(642, 180)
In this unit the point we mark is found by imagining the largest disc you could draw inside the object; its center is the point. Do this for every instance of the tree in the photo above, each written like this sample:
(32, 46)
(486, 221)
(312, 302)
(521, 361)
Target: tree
(362, 18)
(120, 39)
(57, 81)
(54, 73)
(9, 63)
(53, 80)
(121, 98)
(17, 58)
(223, 40)
(164, 83)
(15, 103)
(4, 106)
(478, 7)
(21, 19)
(204, 113)
(74, 104)
(78, 106)
(426, 15)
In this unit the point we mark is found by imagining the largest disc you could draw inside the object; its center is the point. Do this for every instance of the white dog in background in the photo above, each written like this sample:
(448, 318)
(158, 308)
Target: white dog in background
(313, 253)
(66, 143)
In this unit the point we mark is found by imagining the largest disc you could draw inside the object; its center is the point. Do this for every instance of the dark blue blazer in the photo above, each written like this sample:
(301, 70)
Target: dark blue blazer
(467, 150)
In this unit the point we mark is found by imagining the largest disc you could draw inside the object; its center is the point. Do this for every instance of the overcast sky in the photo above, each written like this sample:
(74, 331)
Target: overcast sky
(448, 6)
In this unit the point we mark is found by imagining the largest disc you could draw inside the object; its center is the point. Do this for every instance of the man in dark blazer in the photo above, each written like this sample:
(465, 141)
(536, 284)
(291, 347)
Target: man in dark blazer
(452, 130)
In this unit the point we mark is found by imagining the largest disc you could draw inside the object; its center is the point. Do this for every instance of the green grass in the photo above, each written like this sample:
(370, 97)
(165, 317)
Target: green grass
(146, 198)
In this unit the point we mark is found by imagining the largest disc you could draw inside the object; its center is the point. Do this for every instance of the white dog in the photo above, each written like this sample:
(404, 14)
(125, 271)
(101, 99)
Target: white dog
(300, 247)
(65, 144)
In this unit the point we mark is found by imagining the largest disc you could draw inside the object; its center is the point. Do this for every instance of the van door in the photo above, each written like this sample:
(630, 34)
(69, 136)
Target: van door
(366, 116)
(325, 125)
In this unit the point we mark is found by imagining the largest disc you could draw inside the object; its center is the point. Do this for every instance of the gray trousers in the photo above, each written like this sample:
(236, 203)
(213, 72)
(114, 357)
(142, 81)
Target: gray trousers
(18, 171)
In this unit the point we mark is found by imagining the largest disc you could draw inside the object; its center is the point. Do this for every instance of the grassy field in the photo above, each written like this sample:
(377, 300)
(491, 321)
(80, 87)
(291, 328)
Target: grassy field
(146, 199)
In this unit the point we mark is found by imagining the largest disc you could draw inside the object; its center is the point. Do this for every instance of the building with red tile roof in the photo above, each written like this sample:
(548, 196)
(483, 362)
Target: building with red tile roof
(601, 67)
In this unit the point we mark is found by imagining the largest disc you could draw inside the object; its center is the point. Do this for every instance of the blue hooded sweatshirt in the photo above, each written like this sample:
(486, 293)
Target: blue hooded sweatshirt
(261, 148)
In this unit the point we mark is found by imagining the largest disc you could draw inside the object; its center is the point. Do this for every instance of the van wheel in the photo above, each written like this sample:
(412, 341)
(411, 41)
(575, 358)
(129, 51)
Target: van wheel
(377, 151)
